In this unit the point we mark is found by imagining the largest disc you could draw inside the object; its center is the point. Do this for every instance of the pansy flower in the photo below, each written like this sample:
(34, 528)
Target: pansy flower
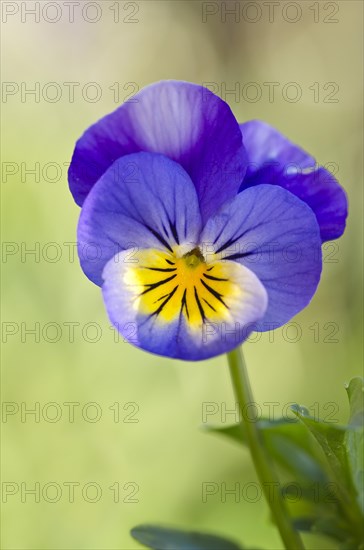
(198, 229)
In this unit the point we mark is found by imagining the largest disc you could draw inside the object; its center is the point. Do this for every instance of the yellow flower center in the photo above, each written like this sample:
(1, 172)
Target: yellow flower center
(170, 285)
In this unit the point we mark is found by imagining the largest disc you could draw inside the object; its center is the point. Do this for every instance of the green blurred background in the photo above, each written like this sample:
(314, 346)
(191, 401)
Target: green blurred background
(164, 457)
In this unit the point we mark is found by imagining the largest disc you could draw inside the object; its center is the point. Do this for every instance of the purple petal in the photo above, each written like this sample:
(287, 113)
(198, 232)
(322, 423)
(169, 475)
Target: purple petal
(265, 145)
(143, 200)
(183, 121)
(274, 160)
(276, 235)
(158, 310)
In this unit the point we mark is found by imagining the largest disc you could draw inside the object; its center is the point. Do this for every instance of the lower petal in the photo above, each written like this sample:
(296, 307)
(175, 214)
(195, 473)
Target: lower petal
(179, 306)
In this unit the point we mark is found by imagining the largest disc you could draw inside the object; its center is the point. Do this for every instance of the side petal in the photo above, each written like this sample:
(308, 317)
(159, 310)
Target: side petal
(180, 120)
(273, 159)
(142, 200)
(155, 307)
(276, 235)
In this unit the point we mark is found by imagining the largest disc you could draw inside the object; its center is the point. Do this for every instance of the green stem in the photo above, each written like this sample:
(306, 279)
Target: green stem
(266, 474)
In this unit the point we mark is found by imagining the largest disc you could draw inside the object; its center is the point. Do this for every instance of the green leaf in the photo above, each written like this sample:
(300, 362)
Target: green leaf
(163, 538)
(354, 439)
(288, 442)
(315, 453)
(335, 441)
(331, 439)
(330, 526)
(355, 391)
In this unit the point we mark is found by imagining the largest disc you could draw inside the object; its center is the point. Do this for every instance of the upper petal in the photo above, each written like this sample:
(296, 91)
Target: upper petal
(266, 145)
(276, 235)
(183, 121)
(273, 159)
(143, 200)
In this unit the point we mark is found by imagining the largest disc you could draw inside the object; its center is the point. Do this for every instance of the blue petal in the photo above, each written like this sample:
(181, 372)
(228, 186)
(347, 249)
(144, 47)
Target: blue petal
(169, 317)
(265, 145)
(183, 121)
(143, 200)
(276, 235)
(274, 160)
